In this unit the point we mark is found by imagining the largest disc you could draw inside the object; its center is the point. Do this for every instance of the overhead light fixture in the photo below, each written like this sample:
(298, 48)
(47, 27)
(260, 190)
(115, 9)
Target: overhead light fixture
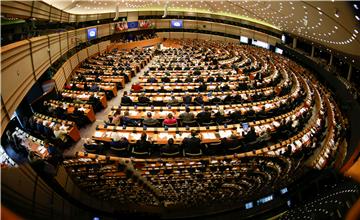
(355, 6)
(356, 31)
(357, 17)
(337, 13)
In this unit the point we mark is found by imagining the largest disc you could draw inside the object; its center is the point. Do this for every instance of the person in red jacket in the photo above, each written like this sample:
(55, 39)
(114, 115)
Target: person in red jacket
(136, 87)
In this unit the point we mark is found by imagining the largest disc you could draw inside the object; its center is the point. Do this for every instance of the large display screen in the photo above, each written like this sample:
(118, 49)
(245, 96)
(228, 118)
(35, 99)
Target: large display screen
(244, 39)
(278, 50)
(176, 23)
(91, 33)
(133, 24)
(260, 44)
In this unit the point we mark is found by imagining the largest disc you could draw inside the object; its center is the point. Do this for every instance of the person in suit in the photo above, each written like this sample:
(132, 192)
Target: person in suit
(125, 99)
(165, 79)
(188, 79)
(173, 101)
(187, 99)
(202, 87)
(219, 78)
(142, 145)
(199, 100)
(187, 116)
(210, 79)
(143, 99)
(170, 147)
(225, 87)
(192, 144)
(162, 89)
(152, 80)
(204, 116)
(149, 120)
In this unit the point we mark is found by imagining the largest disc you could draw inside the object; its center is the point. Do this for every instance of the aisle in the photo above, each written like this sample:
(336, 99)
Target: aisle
(89, 130)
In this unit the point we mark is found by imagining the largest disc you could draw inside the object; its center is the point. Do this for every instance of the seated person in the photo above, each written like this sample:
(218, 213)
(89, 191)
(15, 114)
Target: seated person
(225, 87)
(60, 134)
(119, 142)
(116, 119)
(178, 80)
(149, 120)
(126, 120)
(230, 142)
(136, 87)
(199, 100)
(125, 99)
(192, 144)
(204, 116)
(162, 89)
(152, 80)
(210, 79)
(202, 88)
(188, 79)
(215, 100)
(187, 116)
(170, 120)
(219, 78)
(170, 147)
(94, 88)
(187, 99)
(173, 101)
(165, 79)
(143, 99)
(142, 145)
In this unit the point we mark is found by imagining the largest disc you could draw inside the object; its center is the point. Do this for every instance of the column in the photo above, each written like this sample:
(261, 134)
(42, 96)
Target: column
(294, 42)
(331, 59)
(312, 50)
(349, 73)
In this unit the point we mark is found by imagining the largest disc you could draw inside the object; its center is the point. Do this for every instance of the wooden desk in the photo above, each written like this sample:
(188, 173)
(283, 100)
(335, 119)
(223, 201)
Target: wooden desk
(88, 110)
(31, 143)
(84, 95)
(104, 86)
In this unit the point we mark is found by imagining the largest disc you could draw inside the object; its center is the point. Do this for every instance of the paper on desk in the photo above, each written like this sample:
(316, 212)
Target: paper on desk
(98, 134)
(165, 136)
(225, 134)
(182, 136)
(135, 136)
(208, 135)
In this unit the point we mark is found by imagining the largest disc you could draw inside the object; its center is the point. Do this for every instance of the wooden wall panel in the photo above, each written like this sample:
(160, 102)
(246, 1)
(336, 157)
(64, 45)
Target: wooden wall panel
(188, 24)
(81, 35)
(71, 39)
(103, 46)
(162, 23)
(22, 9)
(67, 69)
(103, 30)
(60, 79)
(40, 55)
(93, 50)
(177, 35)
(190, 35)
(72, 18)
(204, 36)
(82, 54)
(260, 36)
(55, 14)
(273, 40)
(63, 43)
(65, 17)
(17, 74)
(5, 119)
(163, 34)
(217, 37)
(92, 17)
(132, 16)
(54, 47)
(41, 10)
(74, 60)
(104, 16)
(218, 27)
(232, 30)
(80, 18)
(204, 25)
(247, 33)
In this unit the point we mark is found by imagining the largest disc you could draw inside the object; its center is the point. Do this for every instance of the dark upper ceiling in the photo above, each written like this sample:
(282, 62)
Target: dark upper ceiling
(334, 24)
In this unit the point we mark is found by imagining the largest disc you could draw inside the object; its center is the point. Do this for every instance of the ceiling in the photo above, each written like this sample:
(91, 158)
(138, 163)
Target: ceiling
(335, 24)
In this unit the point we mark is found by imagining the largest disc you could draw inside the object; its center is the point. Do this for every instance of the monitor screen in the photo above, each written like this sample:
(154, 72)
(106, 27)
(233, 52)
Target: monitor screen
(176, 23)
(261, 44)
(249, 205)
(265, 199)
(245, 126)
(283, 38)
(244, 39)
(91, 33)
(284, 190)
(133, 24)
(278, 50)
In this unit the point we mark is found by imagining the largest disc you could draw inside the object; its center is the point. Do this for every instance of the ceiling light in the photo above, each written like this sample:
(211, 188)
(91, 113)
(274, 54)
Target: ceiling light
(357, 17)
(356, 31)
(355, 6)
(337, 13)
(336, 27)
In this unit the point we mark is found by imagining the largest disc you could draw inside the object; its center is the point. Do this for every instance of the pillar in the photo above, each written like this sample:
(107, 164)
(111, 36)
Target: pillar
(312, 50)
(349, 73)
(331, 59)
(294, 42)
